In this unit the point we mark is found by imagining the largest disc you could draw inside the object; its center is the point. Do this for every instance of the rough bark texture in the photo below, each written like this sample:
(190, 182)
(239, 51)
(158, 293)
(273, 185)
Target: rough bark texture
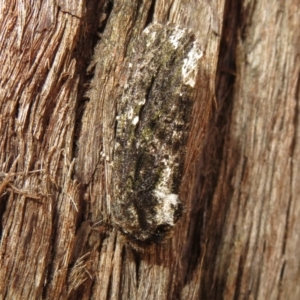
(256, 201)
(63, 69)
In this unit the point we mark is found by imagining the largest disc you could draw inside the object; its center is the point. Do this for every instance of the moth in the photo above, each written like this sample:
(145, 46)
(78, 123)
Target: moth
(152, 128)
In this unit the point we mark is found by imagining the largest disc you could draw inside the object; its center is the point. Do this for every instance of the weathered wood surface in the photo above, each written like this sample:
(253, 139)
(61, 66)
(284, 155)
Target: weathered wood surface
(256, 201)
(239, 237)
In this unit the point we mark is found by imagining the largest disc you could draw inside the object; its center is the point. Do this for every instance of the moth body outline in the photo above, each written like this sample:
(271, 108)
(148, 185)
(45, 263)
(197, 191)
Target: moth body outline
(154, 115)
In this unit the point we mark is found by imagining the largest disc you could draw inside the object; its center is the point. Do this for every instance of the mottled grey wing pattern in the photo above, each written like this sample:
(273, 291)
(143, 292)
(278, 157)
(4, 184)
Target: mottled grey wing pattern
(152, 129)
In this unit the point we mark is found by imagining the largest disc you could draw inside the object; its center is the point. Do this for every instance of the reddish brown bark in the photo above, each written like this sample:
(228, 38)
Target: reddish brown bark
(239, 237)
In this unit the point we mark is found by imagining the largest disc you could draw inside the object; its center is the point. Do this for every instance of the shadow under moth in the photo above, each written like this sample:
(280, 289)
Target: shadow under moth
(152, 127)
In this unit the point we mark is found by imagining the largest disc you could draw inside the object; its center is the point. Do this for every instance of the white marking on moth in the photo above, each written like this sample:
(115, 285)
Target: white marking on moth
(166, 176)
(190, 65)
(142, 102)
(177, 36)
(152, 36)
(135, 120)
(147, 30)
(130, 113)
(167, 204)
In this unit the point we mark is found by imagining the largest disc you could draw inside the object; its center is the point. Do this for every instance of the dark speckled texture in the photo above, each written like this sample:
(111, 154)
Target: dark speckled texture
(152, 129)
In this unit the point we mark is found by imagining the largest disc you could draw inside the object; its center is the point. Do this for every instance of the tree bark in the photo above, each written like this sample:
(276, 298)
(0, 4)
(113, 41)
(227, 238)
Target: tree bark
(64, 69)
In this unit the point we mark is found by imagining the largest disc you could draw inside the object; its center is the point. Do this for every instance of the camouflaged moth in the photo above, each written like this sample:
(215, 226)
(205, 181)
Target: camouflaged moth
(152, 129)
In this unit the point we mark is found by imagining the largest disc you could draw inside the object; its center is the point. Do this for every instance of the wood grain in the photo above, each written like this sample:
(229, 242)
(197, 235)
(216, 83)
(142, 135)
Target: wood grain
(63, 69)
